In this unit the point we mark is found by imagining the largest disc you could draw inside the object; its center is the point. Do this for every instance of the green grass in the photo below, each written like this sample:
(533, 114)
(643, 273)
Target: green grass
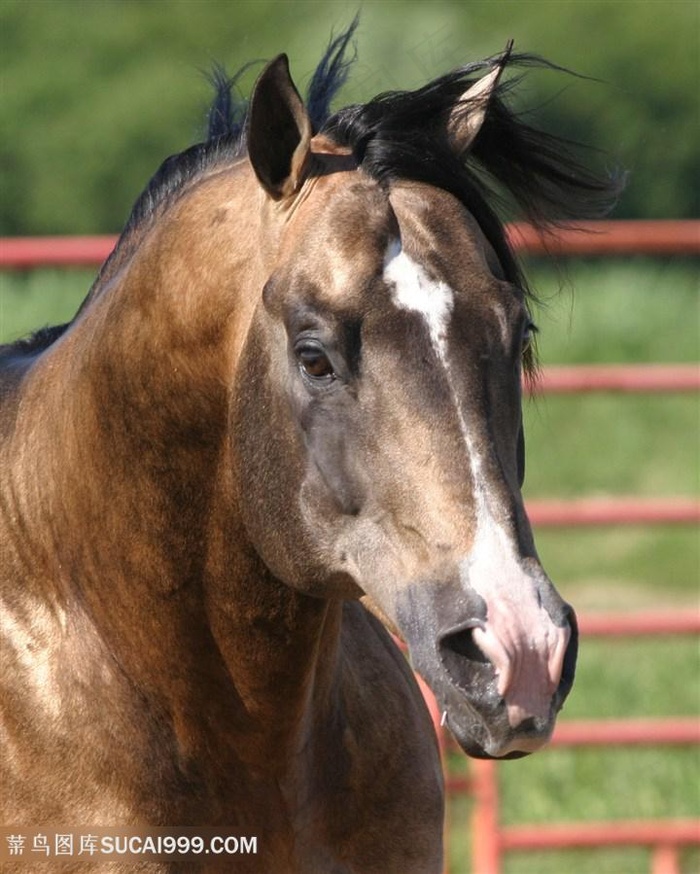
(634, 310)
(37, 298)
(603, 445)
(627, 310)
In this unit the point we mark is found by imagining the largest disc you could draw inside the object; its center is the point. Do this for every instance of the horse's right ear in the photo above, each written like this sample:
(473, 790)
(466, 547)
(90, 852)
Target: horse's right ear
(279, 132)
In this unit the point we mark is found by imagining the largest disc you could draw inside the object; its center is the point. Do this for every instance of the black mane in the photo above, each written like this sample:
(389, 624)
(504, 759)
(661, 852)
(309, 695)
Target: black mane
(399, 135)
(403, 135)
(227, 127)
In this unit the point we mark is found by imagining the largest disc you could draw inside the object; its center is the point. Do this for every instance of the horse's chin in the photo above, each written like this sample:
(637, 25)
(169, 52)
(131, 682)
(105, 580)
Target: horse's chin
(484, 732)
(475, 750)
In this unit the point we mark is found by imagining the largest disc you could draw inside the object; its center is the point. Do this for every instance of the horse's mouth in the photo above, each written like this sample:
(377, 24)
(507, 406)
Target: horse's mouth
(487, 719)
(474, 751)
(484, 732)
(478, 742)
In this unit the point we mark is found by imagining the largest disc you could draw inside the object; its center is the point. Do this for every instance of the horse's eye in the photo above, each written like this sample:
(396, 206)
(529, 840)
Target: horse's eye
(314, 362)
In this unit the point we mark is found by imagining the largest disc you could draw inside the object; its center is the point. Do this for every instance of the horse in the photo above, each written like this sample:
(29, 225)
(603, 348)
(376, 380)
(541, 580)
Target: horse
(284, 424)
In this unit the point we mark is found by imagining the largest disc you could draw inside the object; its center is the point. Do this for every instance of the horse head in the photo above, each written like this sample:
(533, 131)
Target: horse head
(377, 435)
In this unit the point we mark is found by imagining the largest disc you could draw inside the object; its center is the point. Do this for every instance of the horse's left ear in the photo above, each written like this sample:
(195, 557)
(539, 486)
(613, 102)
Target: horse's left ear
(468, 114)
(279, 132)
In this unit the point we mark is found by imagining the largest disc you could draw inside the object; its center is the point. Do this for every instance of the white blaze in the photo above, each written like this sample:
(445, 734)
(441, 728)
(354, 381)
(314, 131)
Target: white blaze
(415, 290)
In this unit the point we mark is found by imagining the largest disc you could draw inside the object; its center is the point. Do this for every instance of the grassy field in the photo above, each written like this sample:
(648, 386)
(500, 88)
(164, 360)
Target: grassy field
(632, 310)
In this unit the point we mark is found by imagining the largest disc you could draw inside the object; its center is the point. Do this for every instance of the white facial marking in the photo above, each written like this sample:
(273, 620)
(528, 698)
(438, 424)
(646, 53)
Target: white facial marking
(415, 290)
(520, 639)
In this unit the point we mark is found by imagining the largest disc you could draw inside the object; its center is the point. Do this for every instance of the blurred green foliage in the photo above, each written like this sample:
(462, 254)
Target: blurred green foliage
(95, 93)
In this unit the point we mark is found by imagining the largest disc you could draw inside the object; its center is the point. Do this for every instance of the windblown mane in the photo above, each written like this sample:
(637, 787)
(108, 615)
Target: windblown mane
(403, 135)
(399, 135)
(227, 127)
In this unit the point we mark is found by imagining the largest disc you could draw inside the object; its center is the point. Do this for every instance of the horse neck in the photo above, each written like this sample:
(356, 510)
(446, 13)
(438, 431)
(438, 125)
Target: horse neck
(280, 646)
(131, 510)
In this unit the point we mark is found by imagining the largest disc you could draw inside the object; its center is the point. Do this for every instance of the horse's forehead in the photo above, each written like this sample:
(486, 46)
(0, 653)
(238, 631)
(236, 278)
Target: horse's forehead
(349, 225)
(339, 234)
(441, 233)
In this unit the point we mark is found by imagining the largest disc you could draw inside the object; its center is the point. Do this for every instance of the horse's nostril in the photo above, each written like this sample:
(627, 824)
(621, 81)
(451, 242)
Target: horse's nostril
(462, 643)
(528, 725)
(466, 664)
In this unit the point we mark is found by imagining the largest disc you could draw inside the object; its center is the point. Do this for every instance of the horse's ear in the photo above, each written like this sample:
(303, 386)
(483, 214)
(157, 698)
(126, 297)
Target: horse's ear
(279, 132)
(468, 114)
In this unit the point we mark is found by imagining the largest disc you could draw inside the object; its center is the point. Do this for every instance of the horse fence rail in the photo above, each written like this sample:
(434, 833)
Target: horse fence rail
(623, 378)
(583, 512)
(585, 239)
(605, 238)
(491, 839)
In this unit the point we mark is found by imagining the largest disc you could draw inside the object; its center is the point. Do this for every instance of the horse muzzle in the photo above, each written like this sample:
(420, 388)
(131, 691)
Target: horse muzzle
(498, 683)
(503, 712)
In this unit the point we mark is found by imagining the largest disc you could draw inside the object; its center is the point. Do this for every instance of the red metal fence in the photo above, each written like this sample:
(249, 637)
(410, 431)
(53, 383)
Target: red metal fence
(585, 239)
(491, 839)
